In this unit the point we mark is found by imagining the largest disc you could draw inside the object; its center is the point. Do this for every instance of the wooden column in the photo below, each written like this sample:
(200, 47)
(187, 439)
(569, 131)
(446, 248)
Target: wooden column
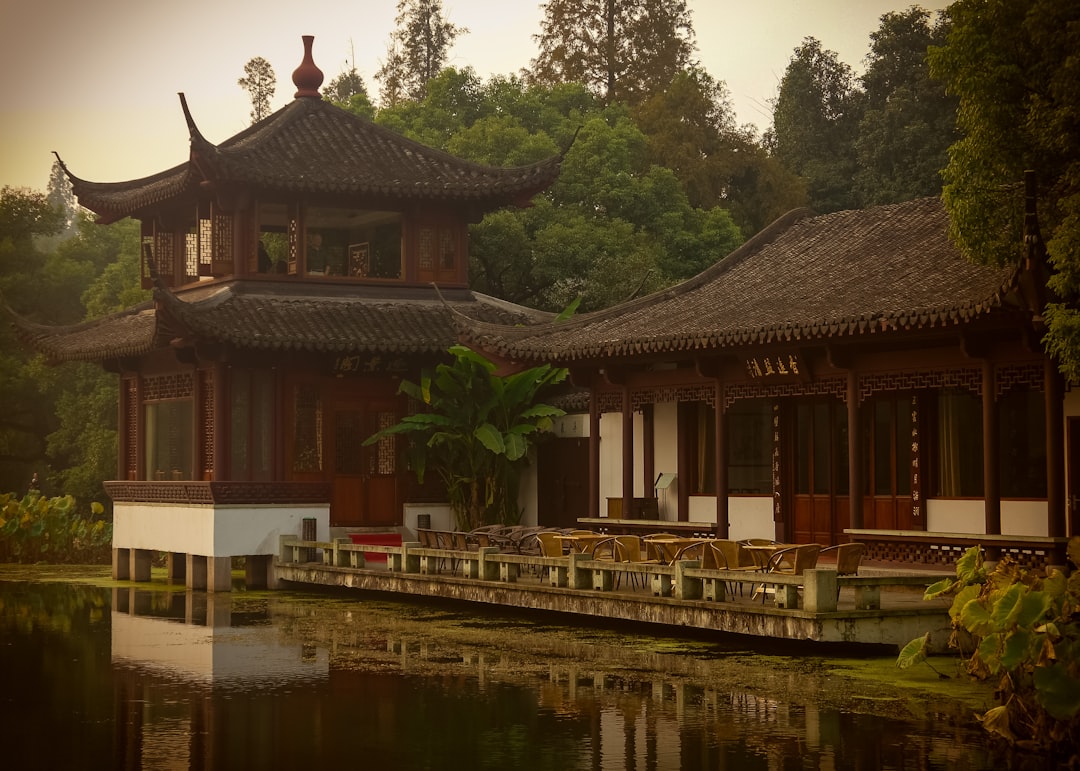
(221, 418)
(991, 453)
(594, 453)
(627, 453)
(648, 450)
(682, 466)
(1053, 391)
(855, 465)
(721, 463)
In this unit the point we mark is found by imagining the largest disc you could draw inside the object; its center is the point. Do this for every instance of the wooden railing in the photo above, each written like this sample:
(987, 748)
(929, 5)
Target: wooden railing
(684, 580)
(188, 492)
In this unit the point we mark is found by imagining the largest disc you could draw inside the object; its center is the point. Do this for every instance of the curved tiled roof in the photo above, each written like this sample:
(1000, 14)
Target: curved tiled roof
(376, 320)
(131, 332)
(277, 317)
(312, 146)
(804, 278)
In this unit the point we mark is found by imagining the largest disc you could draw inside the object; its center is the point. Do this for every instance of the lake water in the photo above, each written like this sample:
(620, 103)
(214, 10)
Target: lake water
(96, 675)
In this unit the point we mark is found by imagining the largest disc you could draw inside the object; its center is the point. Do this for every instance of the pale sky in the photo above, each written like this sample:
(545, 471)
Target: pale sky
(98, 81)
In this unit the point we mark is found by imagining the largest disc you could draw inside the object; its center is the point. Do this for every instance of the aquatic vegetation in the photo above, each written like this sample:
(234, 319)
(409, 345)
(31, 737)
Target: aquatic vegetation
(34, 528)
(1021, 628)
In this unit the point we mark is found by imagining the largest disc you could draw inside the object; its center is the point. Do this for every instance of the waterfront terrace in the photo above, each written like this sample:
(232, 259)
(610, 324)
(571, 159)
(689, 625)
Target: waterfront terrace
(883, 610)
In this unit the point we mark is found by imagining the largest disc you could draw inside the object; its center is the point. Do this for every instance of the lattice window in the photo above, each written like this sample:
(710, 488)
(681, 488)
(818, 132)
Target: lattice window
(383, 461)
(447, 249)
(426, 249)
(206, 235)
(308, 431)
(191, 253)
(175, 386)
(294, 244)
(348, 441)
(207, 419)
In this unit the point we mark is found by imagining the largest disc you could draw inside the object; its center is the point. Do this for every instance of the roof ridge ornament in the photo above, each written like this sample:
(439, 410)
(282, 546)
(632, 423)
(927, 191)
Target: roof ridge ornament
(307, 77)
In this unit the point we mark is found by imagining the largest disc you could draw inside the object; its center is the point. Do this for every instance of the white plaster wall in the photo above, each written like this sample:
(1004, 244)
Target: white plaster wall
(750, 517)
(611, 458)
(666, 456)
(441, 516)
(1024, 518)
(969, 516)
(212, 531)
(953, 516)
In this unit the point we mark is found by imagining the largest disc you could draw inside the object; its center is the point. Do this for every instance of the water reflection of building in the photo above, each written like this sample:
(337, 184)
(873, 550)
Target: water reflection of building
(174, 653)
(190, 637)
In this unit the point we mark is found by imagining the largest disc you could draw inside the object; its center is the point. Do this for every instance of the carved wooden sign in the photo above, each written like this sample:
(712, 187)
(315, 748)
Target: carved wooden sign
(775, 365)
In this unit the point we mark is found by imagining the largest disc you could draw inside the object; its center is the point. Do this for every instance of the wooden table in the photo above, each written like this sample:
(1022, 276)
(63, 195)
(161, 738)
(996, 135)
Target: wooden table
(760, 553)
(582, 542)
(665, 549)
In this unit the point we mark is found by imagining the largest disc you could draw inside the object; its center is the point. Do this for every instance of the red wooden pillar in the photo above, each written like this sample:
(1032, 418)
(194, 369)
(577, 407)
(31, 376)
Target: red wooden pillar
(991, 454)
(594, 453)
(627, 453)
(1053, 391)
(720, 470)
(855, 465)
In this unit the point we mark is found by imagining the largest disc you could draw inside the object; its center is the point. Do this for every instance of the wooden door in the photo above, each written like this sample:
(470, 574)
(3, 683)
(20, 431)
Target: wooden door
(819, 503)
(1072, 475)
(562, 470)
(365, 479)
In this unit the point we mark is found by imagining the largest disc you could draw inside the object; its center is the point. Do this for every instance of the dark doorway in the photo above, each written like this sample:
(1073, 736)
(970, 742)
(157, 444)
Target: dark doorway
(562, 472)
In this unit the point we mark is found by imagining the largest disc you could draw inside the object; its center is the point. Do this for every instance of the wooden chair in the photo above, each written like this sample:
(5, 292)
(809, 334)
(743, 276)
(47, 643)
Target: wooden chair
(848, 558)
(628, 548)
(756, 560)
(793, 561)
(663, 552)
(549, 545)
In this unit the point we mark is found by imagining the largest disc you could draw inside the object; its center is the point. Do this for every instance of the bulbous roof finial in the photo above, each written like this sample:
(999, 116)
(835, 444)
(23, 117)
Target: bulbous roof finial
(307, 77)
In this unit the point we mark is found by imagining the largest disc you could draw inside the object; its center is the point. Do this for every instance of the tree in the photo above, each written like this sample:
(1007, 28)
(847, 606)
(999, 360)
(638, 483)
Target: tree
(622, 50)
(815, 117)
(909, 121)
(1013, 65)
(418, 50)
(691, 130)
(260, 83)
(348, 92)
(477, 432)
(61, 196)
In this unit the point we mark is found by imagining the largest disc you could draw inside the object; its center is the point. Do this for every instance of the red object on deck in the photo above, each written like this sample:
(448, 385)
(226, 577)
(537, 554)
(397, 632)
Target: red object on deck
(376, 539)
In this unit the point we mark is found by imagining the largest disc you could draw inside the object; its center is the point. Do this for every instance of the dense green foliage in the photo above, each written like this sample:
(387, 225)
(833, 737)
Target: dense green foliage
(475, 432)
(35, 528)
(1014, 67)
(59, 421)
(621, 50)
(1023, 630)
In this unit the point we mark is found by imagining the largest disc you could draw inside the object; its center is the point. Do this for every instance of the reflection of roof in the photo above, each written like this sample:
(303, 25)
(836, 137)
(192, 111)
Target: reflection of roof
(803, 278)
(313, 146)
(276, 316)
